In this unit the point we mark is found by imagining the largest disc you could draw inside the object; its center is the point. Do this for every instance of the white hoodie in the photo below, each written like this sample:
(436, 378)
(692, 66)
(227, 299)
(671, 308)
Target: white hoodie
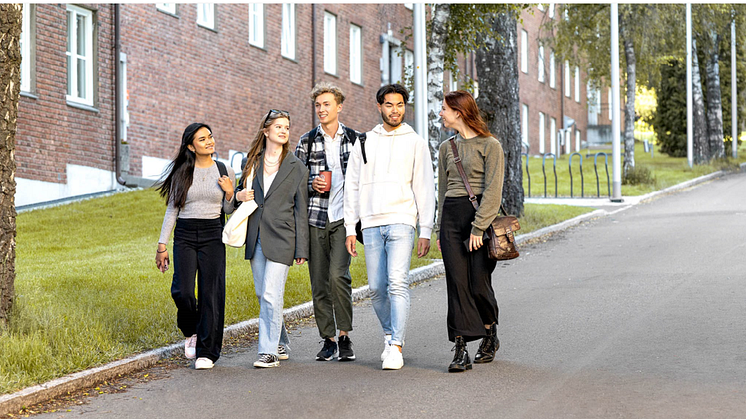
(397, 184)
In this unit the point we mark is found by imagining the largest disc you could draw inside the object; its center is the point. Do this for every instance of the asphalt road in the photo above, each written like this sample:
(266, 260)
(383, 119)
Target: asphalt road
(635, 315)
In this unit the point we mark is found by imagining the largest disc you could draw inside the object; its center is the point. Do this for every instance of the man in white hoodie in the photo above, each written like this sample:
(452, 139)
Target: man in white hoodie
(390, 194)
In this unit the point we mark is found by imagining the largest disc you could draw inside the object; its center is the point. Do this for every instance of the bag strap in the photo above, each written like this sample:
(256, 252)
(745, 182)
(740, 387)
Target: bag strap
(352, 135)
(223, 172)
(457, 160)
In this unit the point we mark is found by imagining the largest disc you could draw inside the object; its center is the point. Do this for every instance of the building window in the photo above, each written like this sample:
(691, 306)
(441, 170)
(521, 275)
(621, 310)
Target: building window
(288, 31)
(577, 140)
(524, 51)
(540, 6)
(540, 67)
(256, 24)
(206, 15)
(79, 55)
(552, 135)
(542, 135)
(356, 54)
(26, 46)
(524, 124)
(330, 43)
(577, 84)
(166, 7)
(409, 65)
(611, 106)
(551, 10)
(452, 82)
(567, 78)
(409, 6)
(552, 71)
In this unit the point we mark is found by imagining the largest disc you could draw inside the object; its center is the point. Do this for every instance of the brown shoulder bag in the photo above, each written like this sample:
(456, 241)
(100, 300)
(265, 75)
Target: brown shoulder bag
(499, 236)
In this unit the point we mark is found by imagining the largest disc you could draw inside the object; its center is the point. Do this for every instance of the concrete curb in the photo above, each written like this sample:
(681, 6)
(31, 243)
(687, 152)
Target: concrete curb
(14, 402)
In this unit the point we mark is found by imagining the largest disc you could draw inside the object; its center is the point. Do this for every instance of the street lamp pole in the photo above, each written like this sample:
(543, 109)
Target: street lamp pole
(689, 116)
(615, 113)
(733, 90)
(420, 71)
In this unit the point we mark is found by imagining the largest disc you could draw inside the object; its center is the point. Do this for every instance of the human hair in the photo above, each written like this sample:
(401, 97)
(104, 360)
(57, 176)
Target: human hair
(325, 87)
(260, 143)
(463, 102)
(180, 172)
(391, 88)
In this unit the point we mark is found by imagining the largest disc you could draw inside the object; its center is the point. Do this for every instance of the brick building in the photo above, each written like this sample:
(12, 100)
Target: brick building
(226, 65)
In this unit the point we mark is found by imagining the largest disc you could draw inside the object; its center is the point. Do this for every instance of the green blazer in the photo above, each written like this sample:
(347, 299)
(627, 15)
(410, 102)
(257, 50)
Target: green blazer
(281, 217)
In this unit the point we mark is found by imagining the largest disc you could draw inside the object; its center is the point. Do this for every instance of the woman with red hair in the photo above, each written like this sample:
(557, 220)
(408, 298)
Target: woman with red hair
(472, 307)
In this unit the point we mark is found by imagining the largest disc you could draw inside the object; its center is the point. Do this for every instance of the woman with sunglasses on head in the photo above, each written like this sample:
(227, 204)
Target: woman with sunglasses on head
(278, 230)
(198, 190)
(472, 307)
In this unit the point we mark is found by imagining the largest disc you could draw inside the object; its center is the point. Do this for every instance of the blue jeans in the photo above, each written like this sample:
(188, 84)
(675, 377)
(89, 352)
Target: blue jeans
(388, 253)
(269, 285)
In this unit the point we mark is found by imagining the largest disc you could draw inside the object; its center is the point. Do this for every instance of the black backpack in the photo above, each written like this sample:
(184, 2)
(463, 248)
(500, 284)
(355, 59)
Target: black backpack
(223, 172)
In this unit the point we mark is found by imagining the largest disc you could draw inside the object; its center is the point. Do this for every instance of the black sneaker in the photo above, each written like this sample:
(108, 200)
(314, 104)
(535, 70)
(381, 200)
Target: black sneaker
(345, 349)
(267, 361)
(328, 351)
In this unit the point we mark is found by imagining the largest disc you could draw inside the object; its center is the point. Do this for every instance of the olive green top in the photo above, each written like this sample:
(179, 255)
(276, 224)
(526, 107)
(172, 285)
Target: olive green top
(484, 164)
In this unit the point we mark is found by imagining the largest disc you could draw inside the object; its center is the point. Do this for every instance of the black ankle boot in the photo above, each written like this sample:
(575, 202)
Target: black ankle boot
(490, 344)
(461, 360)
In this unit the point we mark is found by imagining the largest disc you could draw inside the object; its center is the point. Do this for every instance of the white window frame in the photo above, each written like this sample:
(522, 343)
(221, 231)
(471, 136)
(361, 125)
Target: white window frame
(577, 84)
(74, 57)
(287, 39)
(206, 15)
(553, 136)
(540, 6)
(26, 48)
(551, 10)
(524, 51)
(540, 66)
(577, 140)
(409, 6)
(542, 133)
(567, 78)
(169, 8)
(256, 24)
(356, 54)
(524, 123)
(330, 43)
(552, 71)
(452, 82)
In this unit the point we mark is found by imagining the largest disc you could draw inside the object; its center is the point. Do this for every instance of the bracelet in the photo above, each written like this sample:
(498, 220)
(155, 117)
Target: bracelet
(158, 251)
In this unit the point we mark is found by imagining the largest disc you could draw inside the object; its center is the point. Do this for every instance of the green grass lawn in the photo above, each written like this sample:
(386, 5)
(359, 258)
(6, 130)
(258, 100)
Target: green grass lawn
(667, 171)
(88, 291)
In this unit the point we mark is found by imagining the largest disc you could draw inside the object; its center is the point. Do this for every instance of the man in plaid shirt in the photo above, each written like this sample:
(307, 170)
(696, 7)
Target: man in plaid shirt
(327, 148)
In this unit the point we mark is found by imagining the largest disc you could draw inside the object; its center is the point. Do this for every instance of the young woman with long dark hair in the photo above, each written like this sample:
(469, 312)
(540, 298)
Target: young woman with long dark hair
(197, 191)
(472, 307)
(277, 230)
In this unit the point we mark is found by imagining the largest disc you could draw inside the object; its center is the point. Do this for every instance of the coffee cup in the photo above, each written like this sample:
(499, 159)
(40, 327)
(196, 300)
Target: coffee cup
(327, 175)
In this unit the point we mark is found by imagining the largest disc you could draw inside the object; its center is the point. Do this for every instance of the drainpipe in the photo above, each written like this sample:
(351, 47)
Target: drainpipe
(117, 98)
(313, 57)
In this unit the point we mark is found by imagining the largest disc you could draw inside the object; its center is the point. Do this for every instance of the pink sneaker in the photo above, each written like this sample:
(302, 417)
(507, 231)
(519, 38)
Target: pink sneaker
(190, 347)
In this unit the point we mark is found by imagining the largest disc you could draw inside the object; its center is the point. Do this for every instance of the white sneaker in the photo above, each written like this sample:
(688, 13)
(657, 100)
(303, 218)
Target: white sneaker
(203, 364)
(394, 360)
(190, 347)
(386, 347)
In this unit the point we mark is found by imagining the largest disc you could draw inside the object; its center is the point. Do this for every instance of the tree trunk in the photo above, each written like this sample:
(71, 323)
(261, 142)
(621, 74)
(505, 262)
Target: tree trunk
(714, 100)
(435, 65)
(10, 89)
(497, 69)
(629, 106)
(701, 146)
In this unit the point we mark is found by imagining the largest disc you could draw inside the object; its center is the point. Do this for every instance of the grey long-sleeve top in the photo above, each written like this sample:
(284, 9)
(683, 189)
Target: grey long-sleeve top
(203, 201)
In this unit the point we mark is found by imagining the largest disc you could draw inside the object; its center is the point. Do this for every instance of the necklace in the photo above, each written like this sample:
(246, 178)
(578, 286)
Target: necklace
(268, 163)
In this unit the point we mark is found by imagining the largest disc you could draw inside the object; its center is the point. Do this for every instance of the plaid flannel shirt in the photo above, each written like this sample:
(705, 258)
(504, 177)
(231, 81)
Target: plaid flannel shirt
(318, 203)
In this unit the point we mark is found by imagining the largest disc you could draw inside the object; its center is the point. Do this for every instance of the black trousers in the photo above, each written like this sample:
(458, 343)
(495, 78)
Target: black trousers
(199, 252)
(471, 299)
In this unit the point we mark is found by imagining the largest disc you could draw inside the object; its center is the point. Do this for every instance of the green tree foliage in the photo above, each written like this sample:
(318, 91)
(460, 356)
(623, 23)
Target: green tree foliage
(670, 118)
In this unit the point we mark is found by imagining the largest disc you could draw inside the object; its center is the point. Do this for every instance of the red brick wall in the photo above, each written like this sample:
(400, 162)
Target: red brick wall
(51, 133)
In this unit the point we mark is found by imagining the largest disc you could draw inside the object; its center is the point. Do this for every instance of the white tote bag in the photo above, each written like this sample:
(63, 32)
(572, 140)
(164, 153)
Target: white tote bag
(234, 232)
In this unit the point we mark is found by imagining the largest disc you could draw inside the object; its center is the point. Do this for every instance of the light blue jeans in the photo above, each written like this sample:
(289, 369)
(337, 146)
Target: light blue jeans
(388, 253)
(269, 285)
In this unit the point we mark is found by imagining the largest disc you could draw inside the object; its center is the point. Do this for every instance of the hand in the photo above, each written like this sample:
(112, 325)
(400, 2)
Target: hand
(438, 241)
(245, 195)
(225, 184)
(161, 258)
(350, 245)
(475, 242)
(318, 184)
(300, 261)
(423, 247)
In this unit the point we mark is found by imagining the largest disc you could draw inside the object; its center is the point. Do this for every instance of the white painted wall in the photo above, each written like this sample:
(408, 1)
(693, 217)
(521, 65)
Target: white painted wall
(81, 180)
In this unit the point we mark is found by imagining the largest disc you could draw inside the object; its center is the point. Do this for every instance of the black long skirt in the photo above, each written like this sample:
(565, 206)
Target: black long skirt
(471, 299)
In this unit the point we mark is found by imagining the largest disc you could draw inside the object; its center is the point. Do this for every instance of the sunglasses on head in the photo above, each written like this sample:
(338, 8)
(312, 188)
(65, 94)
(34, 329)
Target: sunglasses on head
(283, 114)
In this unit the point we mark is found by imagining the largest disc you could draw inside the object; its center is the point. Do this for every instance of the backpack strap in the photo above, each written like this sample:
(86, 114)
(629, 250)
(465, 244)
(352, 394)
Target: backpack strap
(352, 135)
(311, 138)
(223, 172)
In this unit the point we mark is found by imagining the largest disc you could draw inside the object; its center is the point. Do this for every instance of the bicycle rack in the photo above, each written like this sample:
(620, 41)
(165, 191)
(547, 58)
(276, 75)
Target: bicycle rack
(582, 181)
(554, 167)
(528, 175)
(238, 153)
(595, 168)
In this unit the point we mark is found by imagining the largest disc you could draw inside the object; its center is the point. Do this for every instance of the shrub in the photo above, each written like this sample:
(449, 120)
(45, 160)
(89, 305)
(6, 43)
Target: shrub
(638, 175)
